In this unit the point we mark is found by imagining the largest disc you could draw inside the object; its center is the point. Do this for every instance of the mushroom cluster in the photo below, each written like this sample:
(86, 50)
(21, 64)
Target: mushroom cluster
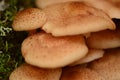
(77, 40)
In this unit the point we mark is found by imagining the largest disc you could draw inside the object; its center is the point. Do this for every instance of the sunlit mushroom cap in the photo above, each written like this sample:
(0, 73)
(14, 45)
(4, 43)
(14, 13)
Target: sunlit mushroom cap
(104, 39)
(72, 18)
(45, 3)
(109, 65)
(29, 19)
(28, 72)
(106, 6)
(44, 50)
(92, 55)
(80, 73)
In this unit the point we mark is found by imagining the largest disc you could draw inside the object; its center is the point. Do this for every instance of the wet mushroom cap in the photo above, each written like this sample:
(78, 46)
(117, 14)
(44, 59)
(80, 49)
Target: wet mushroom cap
(29, 19)
(80, 73)
(104, 39)
(29, 72)
(47, 51)
(92, 55)
(73, 18)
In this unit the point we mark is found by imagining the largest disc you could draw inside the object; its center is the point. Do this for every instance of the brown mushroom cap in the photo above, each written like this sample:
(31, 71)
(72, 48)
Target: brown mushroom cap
(104, 39)
(44, 3)
(106, 6)
(28, 72)
(80, 73)
(44, 50)
(92, 55)
(72, 18)
(29, 19)
(109, 65)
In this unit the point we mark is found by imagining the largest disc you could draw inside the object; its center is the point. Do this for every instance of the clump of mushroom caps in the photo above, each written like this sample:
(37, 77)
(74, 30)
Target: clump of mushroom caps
(78, 40)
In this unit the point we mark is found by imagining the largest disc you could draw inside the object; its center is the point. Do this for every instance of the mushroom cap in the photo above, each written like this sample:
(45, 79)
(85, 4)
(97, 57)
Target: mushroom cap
(28, 72)
(73, 18)
(104, 39)
(92, 55)
(80, 73)
(54, 51)
(29, 19)
(106, 6)
(109, 65)
(44, 3)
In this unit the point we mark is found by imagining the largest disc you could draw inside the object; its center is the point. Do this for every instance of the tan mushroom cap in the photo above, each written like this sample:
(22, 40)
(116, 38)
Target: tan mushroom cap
(106, 6)
(80, 73)
(44, 3)
(29, 19)
(72, 18)
(44, 50)
(109, 65)
(92, 55)
(28, 72)
(104, 39)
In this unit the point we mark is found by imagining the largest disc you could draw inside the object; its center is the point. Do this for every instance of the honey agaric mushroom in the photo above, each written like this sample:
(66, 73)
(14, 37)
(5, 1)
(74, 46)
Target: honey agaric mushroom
(29, 19)
(92, 55)
(109, 65)
(29, 72)
(73, 18)
(80, 73)
(106, 6)
(46, 51)
(104, 39)
(44, 3)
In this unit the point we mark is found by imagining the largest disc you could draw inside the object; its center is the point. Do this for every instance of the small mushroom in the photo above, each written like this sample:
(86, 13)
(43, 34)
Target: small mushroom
(73, 18)
(29, 19)
(80, 73)
(44, 50)
(109, 65)
(92, 55)
(104, 39)
(28, 72)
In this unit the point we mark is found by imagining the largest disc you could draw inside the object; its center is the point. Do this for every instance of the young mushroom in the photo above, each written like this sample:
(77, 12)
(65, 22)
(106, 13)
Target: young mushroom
(104, 39)
(73, 18)
(80, 73)
(28, 72)
(44, 50)
(92, 55)
(29, 19)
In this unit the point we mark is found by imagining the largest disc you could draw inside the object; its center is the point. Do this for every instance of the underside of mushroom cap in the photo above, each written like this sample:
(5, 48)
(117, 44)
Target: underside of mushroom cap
(44, 50)
(73, 18)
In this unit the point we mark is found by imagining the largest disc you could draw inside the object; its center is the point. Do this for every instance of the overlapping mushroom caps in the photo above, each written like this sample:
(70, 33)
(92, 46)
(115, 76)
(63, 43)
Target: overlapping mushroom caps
(92, 55)
(47, 51)
(106, 6)
(29, 19)
(109, 65)
(73, 18)
(104, 39)
(80, 73)
(28, 72)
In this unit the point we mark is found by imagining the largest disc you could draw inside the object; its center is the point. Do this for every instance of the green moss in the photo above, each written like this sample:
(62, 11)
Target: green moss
(10, 41)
